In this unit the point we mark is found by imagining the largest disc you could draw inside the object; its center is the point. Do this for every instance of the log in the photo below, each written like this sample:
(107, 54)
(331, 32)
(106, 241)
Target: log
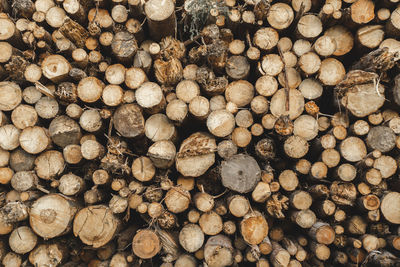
(52, 215)
(389, 207)
(353, 149)
(177, 199)
(381, 138)
(322, 233)
(128, 120)
(22, 240)
(124, 46)
(104, 229)
(254, 228)
(191, 237)
(285, 17)
(196, 155)
(218, 251)
(237, 175)
(211, 223)
(161, 18)
(362, 11)
(343, 38)
(12, 259)
(11, 95)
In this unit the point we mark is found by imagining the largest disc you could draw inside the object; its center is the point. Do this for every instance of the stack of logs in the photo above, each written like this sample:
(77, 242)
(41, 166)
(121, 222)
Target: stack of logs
(199, 133)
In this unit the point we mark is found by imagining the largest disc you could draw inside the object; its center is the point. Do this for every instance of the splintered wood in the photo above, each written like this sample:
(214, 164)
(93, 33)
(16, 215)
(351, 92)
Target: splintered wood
(199, 133)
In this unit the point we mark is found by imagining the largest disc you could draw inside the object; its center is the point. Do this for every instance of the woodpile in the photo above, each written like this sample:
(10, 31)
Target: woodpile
(199, 133)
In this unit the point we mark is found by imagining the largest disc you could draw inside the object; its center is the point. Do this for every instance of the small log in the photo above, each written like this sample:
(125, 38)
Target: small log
(71, 184)
(279, 100)
(211, 223)
(364, 100)
(237, 67)
(115, 74)
(186, 90)
(177, 110)
(331, 71)
(279, 256)
(146, 244)
(296, 147)
(90, 216)
(12, 259)
(196, 155)
(22, 240)
(161, 18)
(238, 205)
(285, 17)
(343, 38)
(254, 228)
(72, 154)
(124, 46)
(288, 180)
(301, 46)
(353, 149)
(309, 26)
(343, 193)
(325, 46)
(266, 85)
(381, 138)
(162, 153)
(304, 218)
(143, 169)
(321, 251)
(203, 201)
(24, 181)
(300, 200)
(128, 120)
(199, 107)
(322, 233)
(346, 172)
(10, 96)
(266, 38)
(240, 93)
(370, 36)
(389, 207)
(150, 97)
(218, 251)
(386, 165)
(177, 199)
(52, 215)
(238, 176)
(158, 127)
